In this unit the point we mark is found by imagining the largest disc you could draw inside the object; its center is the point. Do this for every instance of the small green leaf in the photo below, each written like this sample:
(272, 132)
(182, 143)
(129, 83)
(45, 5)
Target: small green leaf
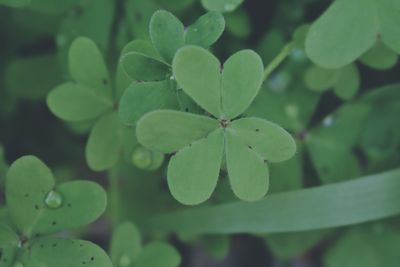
(104, 144)
(379, 57)
(7, 257)
(74, 102)
(125, 244)
(8, 236)
(65, 253)
(141, 67)
(27, 183)
(88, 68)
(331, 43)
(221, 5)
(248, 173)
(270, 141)
(158, 254)
(238, 24)
(320, 79)
(168, 131)
(348, 82)
(197, 71)
(167, 34)
(82, 203)
(242, 77)
(194, 170)
(206, 30)
(141, 98)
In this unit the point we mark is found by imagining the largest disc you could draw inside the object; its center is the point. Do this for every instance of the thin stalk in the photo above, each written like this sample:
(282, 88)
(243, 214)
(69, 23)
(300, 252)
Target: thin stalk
(286, 50)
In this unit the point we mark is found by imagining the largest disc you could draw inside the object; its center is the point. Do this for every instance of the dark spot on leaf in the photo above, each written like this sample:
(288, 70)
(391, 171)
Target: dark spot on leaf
(325, 170)
(54, 245)
(257, 130)
(265, 161)
(186, 109)
(92, 258)
(26, 195)
(54, 223)
(249, 146)
(81, 245)
(69, 205)
(105, 82)
(41, 246)
(36, 207)
(83, 262)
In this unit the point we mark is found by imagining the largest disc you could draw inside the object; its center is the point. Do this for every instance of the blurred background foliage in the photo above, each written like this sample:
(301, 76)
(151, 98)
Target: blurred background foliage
(342, 132)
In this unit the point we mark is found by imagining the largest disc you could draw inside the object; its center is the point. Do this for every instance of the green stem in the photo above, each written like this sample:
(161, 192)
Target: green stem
(286, 50)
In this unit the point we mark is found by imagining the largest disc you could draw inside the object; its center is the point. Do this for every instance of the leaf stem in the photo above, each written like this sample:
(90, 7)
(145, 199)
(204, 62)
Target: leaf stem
(113, 194)
(286, 50)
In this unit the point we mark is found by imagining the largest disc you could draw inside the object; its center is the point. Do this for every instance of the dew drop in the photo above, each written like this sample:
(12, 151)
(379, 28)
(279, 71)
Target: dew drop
(172, 77)
(125, 261)
(18, 264)
(53, 200)
(328, 121)
(229, 7)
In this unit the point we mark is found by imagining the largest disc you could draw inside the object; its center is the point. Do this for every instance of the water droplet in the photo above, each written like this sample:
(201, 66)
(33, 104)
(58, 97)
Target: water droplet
(172, 77)
(195, 29)
(298, 55)
(292, 110)
(53, 200)
(18, 264)
(328, 121)
(229, 7)
(142, 158)
(125, 261)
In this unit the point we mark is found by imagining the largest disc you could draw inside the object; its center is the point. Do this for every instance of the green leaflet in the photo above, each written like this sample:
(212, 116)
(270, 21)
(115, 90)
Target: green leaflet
(221, 5)
(88, 68)
(248, 173)
(141, 98)
(168, 131)
(142, 67)
(357, 201)
(198, 72)
(158, 254)
(28, 184)
(344, 81)
(65, 253)
(8, 237)
(206, 30)
(75, 102)
(241, 80)
(238, 23)
(267, 139)
(104, 143)
(167, 34)
(379, 57)
(127, 250)
(331, 32)
(126, 243)
(194, 170)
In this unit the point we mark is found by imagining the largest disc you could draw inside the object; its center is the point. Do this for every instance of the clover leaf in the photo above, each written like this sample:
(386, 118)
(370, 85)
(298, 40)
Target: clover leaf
(36, 207)
(126, 250)
(151, 62)
(379, 57)
(342, 33)
(90, 97)
(201, 142)
(345, 81)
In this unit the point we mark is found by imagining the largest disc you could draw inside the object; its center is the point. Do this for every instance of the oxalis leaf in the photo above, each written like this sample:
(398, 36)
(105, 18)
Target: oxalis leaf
(64, 253)
(365, 199)
(127, 250)
(38, 206)
(199, 141)
(342, 33)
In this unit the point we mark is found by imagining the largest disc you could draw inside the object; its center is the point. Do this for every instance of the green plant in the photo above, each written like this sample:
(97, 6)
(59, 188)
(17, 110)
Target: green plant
(163, 104)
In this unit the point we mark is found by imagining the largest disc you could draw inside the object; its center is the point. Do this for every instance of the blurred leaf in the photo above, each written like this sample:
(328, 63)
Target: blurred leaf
(74, 102)
(126, 244)
(379, 57)
(238, 23)
(15, 3)
(365, 199)
(103, 147)
(158, 254)
(331, 32)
